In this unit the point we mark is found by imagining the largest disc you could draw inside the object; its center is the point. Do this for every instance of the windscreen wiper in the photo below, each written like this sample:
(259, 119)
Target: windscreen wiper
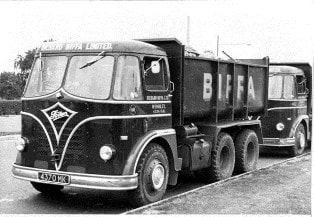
(93, 61)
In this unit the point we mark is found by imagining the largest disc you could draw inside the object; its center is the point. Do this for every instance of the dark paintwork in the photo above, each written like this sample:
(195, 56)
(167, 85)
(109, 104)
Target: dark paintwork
(187, 75)
(187, 106)
(294, 114)
(83, 150)
(281, 115)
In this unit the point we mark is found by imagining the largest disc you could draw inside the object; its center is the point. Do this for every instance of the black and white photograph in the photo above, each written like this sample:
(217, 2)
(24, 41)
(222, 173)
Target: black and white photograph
(156, 107)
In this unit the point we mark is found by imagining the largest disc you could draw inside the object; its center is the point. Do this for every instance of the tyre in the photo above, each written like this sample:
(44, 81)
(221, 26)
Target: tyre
(47, 188)
(222, 161)
(153, 173)
(247, 151)
(300, 142)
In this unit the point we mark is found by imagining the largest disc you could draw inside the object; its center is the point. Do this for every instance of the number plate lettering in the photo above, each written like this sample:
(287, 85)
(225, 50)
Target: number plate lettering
(54, 178)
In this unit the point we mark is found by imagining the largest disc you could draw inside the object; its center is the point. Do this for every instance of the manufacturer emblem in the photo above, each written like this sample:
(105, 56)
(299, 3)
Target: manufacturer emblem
(58, 116)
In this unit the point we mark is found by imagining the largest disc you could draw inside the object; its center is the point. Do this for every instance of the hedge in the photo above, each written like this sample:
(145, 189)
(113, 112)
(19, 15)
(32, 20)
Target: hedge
(10, 107)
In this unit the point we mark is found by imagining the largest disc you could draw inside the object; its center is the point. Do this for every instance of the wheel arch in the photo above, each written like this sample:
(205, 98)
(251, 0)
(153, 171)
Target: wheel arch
(167, 140)
(234, 129)
(302, 119)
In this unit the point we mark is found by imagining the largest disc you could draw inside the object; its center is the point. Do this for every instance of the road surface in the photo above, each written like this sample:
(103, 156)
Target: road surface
(18, 197)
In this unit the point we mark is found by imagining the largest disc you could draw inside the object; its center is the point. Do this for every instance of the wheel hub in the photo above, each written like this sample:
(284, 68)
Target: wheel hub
(301, 140)
(158, 176)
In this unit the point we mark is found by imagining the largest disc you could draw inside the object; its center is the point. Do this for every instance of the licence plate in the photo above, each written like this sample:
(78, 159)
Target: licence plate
(54, 178)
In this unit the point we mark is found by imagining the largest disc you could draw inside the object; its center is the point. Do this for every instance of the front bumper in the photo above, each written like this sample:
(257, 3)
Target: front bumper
(93, 181)
(278, 142)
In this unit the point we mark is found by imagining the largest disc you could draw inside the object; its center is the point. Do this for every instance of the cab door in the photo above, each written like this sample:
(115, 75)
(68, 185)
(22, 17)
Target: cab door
(156, 88)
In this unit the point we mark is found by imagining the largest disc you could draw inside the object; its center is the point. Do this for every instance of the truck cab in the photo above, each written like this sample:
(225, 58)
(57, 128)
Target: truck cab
(288, 123)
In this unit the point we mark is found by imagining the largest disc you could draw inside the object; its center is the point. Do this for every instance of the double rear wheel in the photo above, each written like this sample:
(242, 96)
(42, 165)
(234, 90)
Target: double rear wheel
(230, 157)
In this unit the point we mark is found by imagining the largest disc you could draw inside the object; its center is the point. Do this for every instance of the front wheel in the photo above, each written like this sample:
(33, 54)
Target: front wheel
(300, 141)
(47, 189)
(153, 173)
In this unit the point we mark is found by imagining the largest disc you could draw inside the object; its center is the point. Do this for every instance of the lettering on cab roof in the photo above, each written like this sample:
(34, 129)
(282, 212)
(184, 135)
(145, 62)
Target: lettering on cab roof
(76, 46)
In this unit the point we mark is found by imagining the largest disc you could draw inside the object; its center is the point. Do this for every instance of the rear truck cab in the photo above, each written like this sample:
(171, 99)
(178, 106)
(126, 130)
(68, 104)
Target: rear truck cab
(129, 115)
(288, 123)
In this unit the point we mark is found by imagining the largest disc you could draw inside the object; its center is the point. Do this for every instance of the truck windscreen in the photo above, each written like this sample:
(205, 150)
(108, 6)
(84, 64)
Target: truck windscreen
(46, 76)
(93, 81)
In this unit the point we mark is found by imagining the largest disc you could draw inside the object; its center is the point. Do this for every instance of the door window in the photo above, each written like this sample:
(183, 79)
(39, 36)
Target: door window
(301, 85)
(155, 73)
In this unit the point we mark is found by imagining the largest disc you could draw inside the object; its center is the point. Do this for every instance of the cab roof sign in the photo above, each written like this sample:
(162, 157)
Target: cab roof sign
(76, 46)
(129, 46)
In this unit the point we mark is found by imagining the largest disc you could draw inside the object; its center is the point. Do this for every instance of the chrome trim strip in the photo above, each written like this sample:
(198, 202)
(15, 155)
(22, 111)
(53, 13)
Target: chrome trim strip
(40, 97)
(282, 108)
(96, 100)
(45, 130)
(149, 137)
(105, 182)
(58, 135)
(288, 100)
(114, 101)
(100, 118)
(278, 142)
(81, 123)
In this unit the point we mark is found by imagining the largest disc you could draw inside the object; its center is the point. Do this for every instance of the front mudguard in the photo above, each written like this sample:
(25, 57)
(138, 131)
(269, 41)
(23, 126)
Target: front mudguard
(167, 139)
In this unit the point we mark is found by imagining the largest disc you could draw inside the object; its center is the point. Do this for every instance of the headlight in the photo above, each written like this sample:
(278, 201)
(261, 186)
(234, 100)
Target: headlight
(280, 126)
(20, 144)
(106, 152)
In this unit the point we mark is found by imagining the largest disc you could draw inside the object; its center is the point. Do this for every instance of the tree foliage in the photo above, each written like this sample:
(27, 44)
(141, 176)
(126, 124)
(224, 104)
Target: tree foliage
(11, 85)
(24, 64)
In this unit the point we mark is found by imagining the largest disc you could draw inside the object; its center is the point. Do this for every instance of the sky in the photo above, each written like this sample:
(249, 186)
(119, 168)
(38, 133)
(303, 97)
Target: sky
(280, 29)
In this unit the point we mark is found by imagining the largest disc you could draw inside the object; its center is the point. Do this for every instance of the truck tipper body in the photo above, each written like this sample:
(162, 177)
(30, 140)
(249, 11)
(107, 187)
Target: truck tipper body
(131, 115)
(289, 121)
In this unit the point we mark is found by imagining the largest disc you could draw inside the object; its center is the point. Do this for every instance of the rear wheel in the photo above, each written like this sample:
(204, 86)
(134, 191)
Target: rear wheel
(47, 188)
(222, 161)
(153, 173)
(300, 141)
(247, 151)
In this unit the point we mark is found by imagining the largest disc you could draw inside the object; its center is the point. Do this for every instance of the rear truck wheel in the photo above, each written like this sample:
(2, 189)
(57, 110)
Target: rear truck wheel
(300, 142)
(247, 151)
(222, 161)
(47, 188)
(153, 173)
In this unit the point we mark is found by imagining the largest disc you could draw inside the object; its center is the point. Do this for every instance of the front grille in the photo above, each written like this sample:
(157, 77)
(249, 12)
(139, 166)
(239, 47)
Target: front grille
(75, 150)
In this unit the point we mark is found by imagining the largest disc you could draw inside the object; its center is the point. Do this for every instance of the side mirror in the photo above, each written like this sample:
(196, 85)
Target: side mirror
(155, 67)
(171, 87)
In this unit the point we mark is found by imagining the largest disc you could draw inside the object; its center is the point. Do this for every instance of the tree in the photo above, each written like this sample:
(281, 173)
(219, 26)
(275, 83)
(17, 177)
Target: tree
(11, 86)
(24, 64)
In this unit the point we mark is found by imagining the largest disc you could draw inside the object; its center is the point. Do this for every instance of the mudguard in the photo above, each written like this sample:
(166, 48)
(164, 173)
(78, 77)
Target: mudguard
(167, 138)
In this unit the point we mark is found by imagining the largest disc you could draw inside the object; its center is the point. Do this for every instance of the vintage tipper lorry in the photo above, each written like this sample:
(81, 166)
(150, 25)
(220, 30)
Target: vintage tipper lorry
(131, 115)
(289, 121)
